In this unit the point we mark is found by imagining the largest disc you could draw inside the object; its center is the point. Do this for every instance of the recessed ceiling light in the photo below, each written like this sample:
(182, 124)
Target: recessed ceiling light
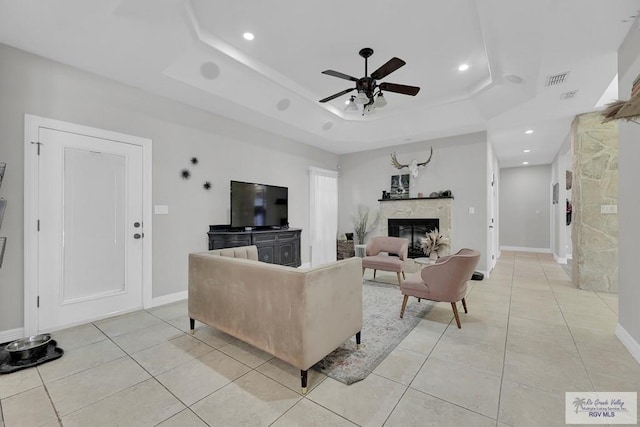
(528, 132)
(248, 36)
(463, 67)
(525, 163)
(527, 151)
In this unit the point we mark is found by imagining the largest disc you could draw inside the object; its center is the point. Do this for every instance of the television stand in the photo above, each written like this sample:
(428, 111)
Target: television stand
(275, 246)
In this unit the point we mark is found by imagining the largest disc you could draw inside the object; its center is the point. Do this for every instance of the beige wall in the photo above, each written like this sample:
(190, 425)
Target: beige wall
(226, 150)
(595, 184)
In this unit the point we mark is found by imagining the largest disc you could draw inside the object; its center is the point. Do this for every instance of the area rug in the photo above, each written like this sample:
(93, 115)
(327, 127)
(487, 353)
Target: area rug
(382, 331)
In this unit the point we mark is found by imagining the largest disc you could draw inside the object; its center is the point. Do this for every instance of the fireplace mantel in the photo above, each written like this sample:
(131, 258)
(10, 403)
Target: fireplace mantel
(414, 198)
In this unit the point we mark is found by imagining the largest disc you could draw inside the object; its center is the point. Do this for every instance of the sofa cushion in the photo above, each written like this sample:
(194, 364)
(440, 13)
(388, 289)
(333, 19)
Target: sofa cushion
(246, 252)
(383, 262)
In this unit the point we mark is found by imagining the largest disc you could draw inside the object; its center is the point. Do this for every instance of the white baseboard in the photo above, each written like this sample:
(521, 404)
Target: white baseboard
(569, 256)
(305, 265)
(523, 249)
(168, 299)
(11, 335)
(632, 345)
(559, 260)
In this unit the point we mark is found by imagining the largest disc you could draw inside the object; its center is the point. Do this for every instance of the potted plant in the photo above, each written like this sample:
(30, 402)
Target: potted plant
(364, 221)
(435, 244)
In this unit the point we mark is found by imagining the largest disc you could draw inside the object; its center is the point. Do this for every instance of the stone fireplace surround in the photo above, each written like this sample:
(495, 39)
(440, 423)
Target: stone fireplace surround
(426, 207)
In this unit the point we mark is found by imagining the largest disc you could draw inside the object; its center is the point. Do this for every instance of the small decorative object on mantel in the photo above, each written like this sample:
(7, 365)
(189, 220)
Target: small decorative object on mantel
(364, 221)
(185, 174)
(627, 110)
(435, 244)
(414, 166)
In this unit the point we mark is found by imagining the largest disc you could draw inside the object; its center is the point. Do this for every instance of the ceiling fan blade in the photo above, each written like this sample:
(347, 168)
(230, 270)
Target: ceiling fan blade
(388, 68)
(329, 98)
(403, 89)
(339, 75)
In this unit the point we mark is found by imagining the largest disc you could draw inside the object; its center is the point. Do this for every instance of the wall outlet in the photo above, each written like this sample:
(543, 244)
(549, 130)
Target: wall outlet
(472, 210)
(608, 209)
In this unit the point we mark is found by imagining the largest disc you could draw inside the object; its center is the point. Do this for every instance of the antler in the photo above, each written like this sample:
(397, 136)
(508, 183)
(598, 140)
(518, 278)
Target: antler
(425, 163)
(396, 163)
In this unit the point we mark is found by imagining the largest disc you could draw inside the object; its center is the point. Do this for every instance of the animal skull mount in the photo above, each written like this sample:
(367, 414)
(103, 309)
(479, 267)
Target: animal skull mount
(413, 166)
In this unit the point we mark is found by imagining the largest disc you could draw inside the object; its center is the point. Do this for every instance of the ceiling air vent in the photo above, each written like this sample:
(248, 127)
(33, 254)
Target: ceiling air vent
(556, 79)
(568, 95)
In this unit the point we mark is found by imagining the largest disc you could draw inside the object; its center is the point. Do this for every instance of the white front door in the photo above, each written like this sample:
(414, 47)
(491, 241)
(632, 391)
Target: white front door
(90, 239)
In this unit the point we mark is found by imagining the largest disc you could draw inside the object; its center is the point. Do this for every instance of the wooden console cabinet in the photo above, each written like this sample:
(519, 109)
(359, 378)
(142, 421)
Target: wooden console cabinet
(274, 246)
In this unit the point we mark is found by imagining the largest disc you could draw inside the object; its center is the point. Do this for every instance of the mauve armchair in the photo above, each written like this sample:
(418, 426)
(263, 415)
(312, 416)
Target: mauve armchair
(396, 249)
(444, 281)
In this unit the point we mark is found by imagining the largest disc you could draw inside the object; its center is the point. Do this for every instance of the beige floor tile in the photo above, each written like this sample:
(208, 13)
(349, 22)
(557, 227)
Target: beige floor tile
(603, 382)
(423, 338)
(546, 347)
(549, 313)
(79, 359)
(145, 404)
(584, 306)
(183, 324)
(168, 355)
(552, 375)
(367, 403)
(440, 314)
(289, 376)
(119, 325)
(421, 410)
(481, 327)
(78, 336)
(19, 381)
(200, 377)
(213, 337)
(185, 418)
(30, 408)
(477, 355)
(525, 406)
(140, 339)
(472, 389)
(84, 388)
(600, 339)
(252, 399)
(170, 311)
(401, 365)
(540, 327)
(245, 353)
(613, 363)
(309, 414)
(605, 320)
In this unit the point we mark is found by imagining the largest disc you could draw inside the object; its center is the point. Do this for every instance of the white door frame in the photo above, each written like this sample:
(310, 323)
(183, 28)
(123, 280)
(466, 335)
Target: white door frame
(32, 124)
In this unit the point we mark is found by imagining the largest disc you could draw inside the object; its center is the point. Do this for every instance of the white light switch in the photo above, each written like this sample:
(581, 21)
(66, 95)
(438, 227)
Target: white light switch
(472, 210)
(608, 209)
(161, 209)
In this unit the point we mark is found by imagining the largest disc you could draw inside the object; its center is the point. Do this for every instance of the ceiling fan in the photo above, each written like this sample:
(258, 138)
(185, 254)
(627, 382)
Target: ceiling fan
(367, 85)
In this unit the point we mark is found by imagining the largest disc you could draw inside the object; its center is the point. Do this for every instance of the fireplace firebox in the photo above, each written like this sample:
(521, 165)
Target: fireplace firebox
(412, 229)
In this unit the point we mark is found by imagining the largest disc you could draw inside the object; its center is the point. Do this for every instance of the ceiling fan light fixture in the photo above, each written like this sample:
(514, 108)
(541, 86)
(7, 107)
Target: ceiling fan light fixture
(380, 101)
(361, 98)
(351, 105)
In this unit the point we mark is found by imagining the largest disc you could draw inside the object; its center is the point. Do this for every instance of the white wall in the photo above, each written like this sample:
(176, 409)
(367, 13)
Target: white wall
(459, 164)
(525, 207)
(226, 150)
(629, 202)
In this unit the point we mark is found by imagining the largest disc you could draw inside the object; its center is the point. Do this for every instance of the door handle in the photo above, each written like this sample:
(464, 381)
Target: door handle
(138, 236)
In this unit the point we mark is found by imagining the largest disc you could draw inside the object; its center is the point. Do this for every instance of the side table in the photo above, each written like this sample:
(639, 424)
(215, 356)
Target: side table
(361, 250)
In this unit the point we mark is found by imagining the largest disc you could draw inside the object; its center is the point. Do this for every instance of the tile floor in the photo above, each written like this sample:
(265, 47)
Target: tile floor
(529, 337)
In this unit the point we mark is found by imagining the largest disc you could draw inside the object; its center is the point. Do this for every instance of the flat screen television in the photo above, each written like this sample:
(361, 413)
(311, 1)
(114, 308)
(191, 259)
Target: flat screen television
(259, 205)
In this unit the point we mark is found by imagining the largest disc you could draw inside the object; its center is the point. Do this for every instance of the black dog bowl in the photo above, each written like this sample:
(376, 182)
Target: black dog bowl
(30, 348)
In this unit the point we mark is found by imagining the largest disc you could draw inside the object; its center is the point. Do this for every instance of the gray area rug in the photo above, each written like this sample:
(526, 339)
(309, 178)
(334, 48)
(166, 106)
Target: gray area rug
(382, 331)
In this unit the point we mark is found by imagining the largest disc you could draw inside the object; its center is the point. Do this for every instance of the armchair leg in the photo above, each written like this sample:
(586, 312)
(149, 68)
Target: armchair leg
(404, 305)
(358, 340)
(455, 313)
(374, 273)
(303, 381)
(403, 276)
(464, 304)
(399, 279)
(192, 325)
(363, 269)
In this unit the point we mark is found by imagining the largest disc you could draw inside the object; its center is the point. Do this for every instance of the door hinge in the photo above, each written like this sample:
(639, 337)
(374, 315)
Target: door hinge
(38, 225)
(38, 144)
(38, 302)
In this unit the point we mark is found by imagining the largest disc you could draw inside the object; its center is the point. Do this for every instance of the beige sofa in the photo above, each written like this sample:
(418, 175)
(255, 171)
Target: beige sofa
(297, 315)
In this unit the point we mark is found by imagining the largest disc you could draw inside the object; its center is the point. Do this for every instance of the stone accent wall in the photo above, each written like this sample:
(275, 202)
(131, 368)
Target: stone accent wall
(595, 183)
(417, 208)
(345, 249)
